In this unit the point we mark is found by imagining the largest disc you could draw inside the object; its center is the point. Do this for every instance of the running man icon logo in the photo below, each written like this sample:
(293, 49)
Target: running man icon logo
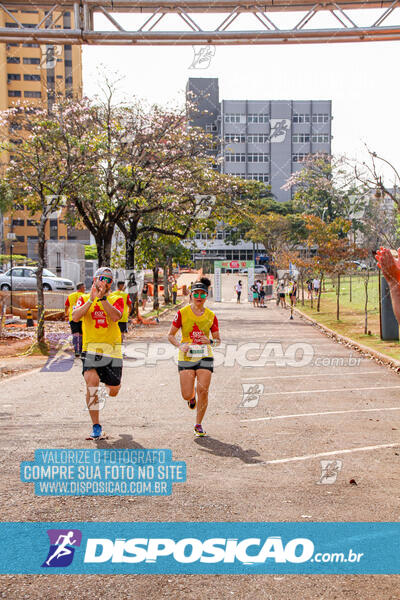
(251, 394)
(61, 358)
(329, 471)
(202, 57)
(61, 551)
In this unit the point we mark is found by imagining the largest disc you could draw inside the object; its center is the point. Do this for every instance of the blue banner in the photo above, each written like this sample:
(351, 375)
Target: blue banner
(204, 548)
(99, 472)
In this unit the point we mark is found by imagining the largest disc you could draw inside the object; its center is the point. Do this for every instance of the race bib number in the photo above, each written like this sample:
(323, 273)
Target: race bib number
(198, 351)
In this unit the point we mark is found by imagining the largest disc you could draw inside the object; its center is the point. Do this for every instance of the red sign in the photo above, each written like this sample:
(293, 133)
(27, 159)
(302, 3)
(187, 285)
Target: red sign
(234, 264)
(269, 280)
(204, 252)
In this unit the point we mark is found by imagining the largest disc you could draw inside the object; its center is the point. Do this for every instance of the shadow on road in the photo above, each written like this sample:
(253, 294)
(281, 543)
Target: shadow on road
(218, 448)
(124, 442)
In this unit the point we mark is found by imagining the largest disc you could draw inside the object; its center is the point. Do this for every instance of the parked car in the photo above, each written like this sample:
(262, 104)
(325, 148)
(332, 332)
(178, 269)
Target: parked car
(361, 266)
(258, 269)
(24, 278)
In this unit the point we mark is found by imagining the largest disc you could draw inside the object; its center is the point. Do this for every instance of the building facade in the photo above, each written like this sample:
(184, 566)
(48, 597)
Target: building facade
(264, 140)
(36, 74)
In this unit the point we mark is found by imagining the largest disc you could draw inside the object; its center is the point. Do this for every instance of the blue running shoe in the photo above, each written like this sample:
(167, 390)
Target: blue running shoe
(96, 433)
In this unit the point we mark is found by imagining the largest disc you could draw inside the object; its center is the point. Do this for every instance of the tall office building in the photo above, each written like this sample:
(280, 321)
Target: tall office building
(258, 139)
(36, 74)
(262, 139)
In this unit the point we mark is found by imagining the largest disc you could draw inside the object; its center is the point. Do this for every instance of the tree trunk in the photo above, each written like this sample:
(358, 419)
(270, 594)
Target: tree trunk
(103, 239)
(39, 279)
(351, 294)
(366, 281)
(321, 280)
(302, 290)
(338, 298)
(166, 284)
(130, 243)
(156, 303)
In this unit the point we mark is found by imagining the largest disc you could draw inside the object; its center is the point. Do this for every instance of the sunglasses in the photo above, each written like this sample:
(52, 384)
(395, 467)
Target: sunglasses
(105, 278)
(197, 295)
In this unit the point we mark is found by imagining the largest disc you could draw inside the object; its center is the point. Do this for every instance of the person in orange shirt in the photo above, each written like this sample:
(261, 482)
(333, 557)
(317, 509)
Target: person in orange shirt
(76, 328)
(100, 312)
(195, 359)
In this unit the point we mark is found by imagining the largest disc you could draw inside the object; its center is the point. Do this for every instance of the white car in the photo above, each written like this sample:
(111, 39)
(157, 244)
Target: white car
(258, 269)
(24, 278)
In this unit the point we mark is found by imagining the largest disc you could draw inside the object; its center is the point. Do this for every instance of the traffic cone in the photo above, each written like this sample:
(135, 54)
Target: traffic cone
(29, 319)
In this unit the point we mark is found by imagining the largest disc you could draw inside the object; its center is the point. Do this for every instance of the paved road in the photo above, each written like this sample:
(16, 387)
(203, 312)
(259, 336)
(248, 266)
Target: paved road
(313, 400)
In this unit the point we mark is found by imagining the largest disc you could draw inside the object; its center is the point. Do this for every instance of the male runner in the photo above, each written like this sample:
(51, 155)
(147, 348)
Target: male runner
(76, 328)
(123, 323)
(195, 360)
(100, 312)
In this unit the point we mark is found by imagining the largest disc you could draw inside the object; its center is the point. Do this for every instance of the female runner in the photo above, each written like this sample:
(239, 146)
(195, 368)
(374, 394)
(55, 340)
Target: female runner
(195, 360)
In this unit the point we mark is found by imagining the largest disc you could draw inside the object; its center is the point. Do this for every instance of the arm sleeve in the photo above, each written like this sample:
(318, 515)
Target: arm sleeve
(67, 303)
(177, 322)
(128, 301)
(214, 326)
(119, 304)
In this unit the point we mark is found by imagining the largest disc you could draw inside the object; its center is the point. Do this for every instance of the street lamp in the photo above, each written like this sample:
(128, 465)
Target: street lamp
(12, 237)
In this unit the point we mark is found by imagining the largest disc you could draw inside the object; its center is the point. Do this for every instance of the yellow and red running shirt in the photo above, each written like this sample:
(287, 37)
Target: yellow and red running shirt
(127, 305)
(70, 303)
(193, 327)
(100, 334)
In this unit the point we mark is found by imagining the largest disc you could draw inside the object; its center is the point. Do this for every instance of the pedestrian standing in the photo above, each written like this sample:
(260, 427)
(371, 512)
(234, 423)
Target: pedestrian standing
(238, 290)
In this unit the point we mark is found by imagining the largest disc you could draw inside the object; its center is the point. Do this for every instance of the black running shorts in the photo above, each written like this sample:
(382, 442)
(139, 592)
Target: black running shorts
(76, 327)
(108, 369)
(205, 363)
(123, 326)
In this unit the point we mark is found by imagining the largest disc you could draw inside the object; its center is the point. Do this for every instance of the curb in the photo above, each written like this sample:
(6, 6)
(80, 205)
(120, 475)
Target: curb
(365, 350)
(166, 310)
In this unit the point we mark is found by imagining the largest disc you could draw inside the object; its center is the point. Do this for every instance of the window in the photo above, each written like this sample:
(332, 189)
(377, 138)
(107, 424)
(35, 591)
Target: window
(67, 62)
(236, 138)
(31, 61)
(257, 118)
(58, 77)
(301, 118)
(18, 222)
(13, 77)
(29, 273)
(320, 139)
(31, 223)
(320, 118)
(235, 157)
(30, 46)
(234, 118)
(259, 157)
(14, 94)
(12, 24)
(32, 237)
(31, 77)
(298, 156)
(33, 12)
(29, 25)
(20, 238)
(67, 47)
(32, 94)
(13, 141)
(17, 272)
(259, 177)
(13, 60)
(209, 128)
(12, 44)
(301, 138)
(258, 138)
(68, 80)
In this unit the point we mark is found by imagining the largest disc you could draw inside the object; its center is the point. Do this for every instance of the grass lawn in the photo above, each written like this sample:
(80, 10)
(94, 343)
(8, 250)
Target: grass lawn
(351, 323)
